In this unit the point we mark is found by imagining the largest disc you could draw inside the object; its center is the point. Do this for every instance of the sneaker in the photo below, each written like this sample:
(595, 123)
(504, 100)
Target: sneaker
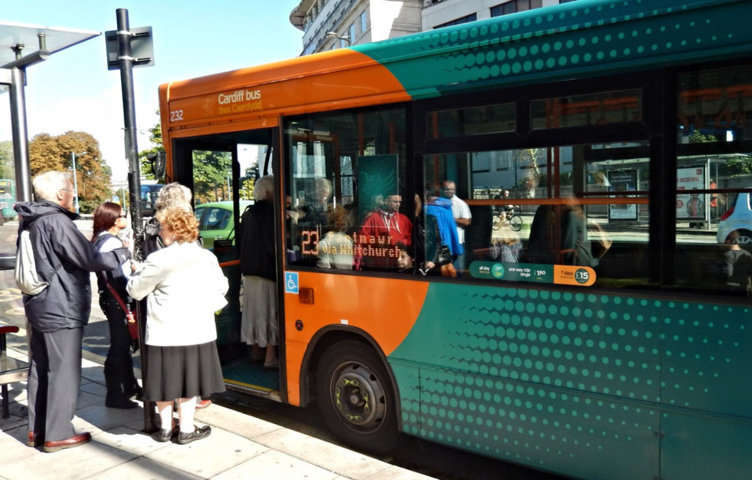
(203, 404)
(197, 434)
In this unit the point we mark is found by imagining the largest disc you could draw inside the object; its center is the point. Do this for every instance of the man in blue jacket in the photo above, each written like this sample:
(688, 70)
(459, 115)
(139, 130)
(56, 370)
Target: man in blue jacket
(57, 315)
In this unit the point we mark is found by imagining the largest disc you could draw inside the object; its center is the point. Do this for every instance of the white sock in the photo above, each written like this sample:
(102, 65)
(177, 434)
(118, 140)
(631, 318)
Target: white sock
(187, 410)
(165, 415)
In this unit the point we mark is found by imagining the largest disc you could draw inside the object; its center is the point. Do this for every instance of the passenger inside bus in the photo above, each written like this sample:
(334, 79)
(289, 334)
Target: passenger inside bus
(382, 230)
(336, 250)
(559, 235)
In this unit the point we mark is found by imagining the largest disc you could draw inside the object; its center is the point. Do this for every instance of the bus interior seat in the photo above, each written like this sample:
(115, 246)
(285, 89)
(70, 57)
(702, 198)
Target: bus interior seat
(558, 235)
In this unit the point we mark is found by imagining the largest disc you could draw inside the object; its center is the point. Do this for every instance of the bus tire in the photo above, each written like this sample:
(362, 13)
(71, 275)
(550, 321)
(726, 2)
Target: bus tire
(355, 397)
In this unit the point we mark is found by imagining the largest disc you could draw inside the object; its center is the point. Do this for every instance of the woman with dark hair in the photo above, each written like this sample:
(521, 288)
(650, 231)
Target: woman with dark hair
(109, 221)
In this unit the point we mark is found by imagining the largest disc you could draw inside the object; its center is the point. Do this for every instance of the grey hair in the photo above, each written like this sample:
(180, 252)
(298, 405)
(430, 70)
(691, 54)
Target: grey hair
(174, 195)
(47, 184)
(263, 189)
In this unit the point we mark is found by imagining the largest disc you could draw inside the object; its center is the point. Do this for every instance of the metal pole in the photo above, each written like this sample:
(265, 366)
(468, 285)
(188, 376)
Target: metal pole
(20, 135)
(129, 117)
(134, 181)
(75, 182)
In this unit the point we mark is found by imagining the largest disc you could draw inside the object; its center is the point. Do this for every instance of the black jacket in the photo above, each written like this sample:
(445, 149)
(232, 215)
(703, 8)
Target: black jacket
(257, 241)
(57, 242)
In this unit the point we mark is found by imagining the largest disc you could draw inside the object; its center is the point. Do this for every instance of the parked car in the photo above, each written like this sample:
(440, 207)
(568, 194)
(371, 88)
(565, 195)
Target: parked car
(216, 221)
(737, 219)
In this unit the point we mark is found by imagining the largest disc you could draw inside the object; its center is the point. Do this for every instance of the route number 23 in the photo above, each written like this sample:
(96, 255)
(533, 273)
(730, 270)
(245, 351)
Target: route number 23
(310, 242)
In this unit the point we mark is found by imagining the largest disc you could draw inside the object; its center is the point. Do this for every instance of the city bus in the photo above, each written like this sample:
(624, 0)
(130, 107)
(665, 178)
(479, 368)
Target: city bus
(609, 337)
(7, 199)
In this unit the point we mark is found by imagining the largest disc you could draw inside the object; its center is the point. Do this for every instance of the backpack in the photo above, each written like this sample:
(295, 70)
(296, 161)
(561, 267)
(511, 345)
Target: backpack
(27, 277)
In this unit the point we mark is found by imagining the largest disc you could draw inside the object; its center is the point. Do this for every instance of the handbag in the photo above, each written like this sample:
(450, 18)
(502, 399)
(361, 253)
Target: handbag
(443, 255)
(130, 316)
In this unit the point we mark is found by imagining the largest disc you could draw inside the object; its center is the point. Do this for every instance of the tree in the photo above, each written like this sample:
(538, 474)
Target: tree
(92, 174)
(155, 137)
(6, 160)
(211, 172)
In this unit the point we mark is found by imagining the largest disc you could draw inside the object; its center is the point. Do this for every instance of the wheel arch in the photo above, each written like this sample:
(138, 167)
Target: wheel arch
(328, 336)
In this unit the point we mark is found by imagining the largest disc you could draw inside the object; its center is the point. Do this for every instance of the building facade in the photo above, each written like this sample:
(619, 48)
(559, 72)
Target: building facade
(330, 24)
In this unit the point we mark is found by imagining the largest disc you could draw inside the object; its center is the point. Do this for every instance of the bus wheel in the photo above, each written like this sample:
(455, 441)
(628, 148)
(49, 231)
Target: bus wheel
(355, 397)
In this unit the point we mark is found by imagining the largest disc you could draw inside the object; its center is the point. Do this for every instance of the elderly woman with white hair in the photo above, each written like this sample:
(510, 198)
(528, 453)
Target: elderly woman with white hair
(171, 195)
(258, 265)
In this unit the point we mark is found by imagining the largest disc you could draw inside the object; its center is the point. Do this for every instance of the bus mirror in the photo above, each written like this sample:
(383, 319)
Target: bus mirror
(158, 162)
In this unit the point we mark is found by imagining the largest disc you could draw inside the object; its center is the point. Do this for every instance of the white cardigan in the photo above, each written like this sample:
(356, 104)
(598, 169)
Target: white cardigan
(185, 286)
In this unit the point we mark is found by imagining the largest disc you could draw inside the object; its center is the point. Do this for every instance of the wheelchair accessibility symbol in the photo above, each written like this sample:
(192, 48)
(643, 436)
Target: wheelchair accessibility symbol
(291, 282)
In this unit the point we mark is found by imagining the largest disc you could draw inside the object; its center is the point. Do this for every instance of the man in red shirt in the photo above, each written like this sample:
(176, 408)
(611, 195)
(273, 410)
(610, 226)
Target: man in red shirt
(382, 230)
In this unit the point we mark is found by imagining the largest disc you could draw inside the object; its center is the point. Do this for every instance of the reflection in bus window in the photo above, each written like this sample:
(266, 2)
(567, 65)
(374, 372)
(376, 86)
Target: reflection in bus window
(346, 171)
(713, 229)
(579, 205)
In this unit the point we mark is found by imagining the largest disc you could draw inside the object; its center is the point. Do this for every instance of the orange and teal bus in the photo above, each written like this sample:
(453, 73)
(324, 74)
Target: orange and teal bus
(609, 337)
(7, 199)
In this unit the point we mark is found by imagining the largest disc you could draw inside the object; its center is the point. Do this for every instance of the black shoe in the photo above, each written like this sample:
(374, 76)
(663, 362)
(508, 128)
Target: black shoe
(163, 435)
(135, 390)
(197, 434)
(120, 402)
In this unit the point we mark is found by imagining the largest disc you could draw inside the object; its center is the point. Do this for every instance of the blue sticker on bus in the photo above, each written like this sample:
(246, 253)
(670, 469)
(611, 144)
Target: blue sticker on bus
(291, 282)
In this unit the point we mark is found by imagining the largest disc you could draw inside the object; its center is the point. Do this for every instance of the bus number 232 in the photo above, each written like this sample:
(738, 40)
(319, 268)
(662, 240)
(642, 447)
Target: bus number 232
(176, 115)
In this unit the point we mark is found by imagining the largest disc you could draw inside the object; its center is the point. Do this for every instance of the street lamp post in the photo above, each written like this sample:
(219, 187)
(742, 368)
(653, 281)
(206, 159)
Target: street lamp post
(75, 180)
(344, 38)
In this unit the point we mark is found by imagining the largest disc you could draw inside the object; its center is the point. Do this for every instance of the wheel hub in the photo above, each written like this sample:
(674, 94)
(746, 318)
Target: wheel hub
(358, 396)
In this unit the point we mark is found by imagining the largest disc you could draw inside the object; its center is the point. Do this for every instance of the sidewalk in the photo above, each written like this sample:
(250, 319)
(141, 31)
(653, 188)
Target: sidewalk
(240, 446)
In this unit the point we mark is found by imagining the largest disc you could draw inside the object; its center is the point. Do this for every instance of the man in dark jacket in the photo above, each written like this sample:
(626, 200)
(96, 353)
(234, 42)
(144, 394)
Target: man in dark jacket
(57, 315)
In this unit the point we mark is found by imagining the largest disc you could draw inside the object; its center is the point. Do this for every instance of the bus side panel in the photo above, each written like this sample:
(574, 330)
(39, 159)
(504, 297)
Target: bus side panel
(580, 373)
(705, 447)
(386, 308)
(461, 57)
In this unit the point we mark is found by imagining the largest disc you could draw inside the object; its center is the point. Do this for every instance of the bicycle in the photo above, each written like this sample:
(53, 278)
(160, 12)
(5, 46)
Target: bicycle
(507, 216)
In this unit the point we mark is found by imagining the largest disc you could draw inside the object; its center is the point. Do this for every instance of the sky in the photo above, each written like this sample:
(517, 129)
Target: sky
(73, 90)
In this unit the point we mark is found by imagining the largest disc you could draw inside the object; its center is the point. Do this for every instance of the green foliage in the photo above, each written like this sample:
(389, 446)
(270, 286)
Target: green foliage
(698, 137)
(155, 137)
(740, 164)
(211, 175)
(6, 160)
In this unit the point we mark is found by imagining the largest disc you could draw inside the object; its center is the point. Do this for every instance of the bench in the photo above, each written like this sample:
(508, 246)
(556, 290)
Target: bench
(11, 370)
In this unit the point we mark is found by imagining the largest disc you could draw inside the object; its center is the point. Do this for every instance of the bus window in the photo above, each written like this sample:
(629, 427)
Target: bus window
(347, 191)
(537, 208)
(714, 180)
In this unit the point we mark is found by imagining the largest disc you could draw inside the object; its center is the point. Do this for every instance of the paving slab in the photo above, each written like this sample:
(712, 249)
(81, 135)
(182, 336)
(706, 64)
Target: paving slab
(96, 418)
(93, 387)
(144, 469)
(86, 399)
(206, 458)
(129, 440)
(239, 423)
(324, 454)
(398, 473)
(13, 446)
(276, 465)
(71, 464)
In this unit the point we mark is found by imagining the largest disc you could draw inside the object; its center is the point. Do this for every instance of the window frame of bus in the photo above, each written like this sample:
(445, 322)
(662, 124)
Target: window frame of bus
(685, 150)
(405, 185)
(645, 130)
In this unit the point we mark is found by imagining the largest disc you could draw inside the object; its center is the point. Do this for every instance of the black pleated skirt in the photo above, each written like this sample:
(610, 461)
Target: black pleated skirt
(182, 372)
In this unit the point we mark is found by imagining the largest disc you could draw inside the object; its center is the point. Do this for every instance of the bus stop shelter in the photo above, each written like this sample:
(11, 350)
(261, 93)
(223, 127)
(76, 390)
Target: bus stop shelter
(23, 45)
